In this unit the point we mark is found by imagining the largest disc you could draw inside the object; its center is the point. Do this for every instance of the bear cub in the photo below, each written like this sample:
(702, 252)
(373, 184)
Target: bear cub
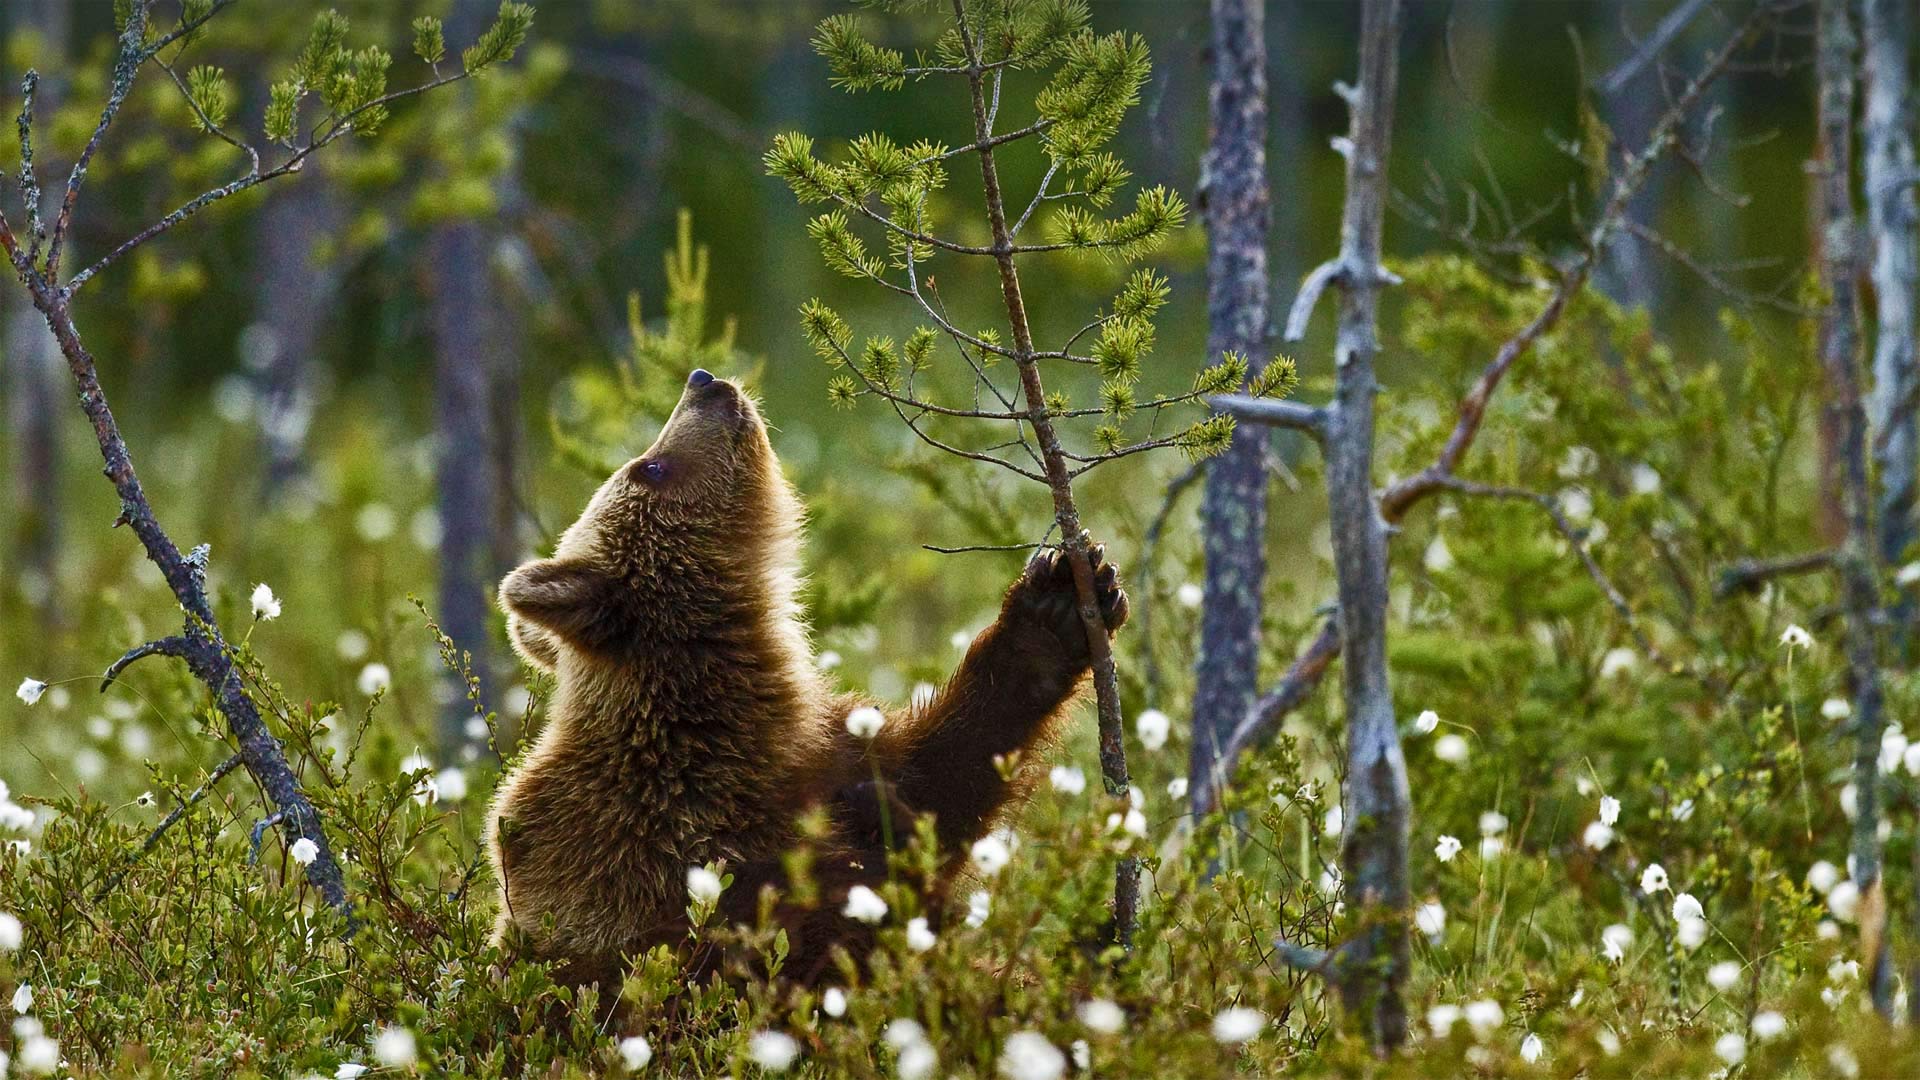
(690, 724)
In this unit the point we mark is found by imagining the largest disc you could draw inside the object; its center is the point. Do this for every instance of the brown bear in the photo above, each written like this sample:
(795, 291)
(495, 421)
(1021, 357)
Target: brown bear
(690, 724)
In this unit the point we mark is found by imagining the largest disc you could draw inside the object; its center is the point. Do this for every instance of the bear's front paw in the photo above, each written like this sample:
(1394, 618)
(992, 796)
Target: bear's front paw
(1045, 595)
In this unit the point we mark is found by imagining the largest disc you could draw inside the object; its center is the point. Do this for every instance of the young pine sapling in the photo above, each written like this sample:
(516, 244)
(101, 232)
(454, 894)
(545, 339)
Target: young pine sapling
(1088, 82)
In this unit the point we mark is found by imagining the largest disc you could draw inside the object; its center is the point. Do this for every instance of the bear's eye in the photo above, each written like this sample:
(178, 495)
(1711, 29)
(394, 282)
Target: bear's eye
(653, 471)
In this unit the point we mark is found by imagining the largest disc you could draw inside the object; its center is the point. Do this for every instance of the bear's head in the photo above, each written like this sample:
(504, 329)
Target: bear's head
(701, 525)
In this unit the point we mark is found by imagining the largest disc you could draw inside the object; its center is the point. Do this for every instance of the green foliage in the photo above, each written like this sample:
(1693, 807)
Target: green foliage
(501, 40)
(429, 40)
(857, 63)
(212, 96)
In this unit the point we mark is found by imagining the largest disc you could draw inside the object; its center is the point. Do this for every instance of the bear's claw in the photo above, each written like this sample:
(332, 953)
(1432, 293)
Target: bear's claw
(1046, 593)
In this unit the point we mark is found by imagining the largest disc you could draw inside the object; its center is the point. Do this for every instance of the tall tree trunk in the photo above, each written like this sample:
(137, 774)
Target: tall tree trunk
(1373, 856)
(1631, 273)
(1891, 223)
(32, 374)
(1839, 344)
(1235, 206)
(296, 290)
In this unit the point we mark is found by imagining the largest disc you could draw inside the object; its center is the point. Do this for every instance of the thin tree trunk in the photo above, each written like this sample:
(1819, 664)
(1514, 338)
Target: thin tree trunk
(32, 375)
(1887, 71)
(468, 467)
(1373, 856)
(296, 291)
(1839, 344)
(1630, 275)
(1235, 206)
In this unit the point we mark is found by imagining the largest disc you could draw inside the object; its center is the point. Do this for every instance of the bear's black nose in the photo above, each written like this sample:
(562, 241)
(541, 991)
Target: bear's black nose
(699, 378)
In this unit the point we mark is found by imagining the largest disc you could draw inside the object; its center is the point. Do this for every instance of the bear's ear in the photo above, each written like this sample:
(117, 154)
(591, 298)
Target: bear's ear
(535, 646)
(576, 602)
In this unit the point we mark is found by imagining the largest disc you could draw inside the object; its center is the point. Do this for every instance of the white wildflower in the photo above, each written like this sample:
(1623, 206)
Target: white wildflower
(634, 1052)
(1028, 1055)
(1614, 941)
(1795, 636)
(1645, 479)
(834, 1002)
(11, 932)
(1822, 877)
(1893, 748)
(1653, 879)
(1102, 1017)
(1237, 1025)
(1850, 801)
(1724, 975)
(1438, 558)
(1686, 906)
(1446, 848)
(1844, 901)
(864, 905)
(773, 1051)
(1842, 1061)
(1441, 1018)
(960, 639)
(40, 1055)
(1082, 1054)
(452, 784)
(304, 851)
(904, 1032)
(1492, 847)
(1836, 708)
(1177, 788)
(703, 886)
(1335, 822)
(1067, 779)
(1580, 461)
(1691, 933)
(350, 1070)
(827, 660)
(1426, 722)
(991, 854)
(30, 690)
(395, 1048)
(1609, 1041)
(920, 936)
(1682, 810)
(1450, 748)
(1190, 595)
(1911, 759)
(1840, 971)
(1431, 919)
(23, 998)
(1152, 726)
(1492, 823)
(865, 722)
(979, 906)
(1531, 1048)
(266, 606)
(917, 1062)
(374, 678)
(1618, 661)
(1484, 1017)
(1609, 810)
(1768, 1024)
(1731, 1047)
(1597, 836)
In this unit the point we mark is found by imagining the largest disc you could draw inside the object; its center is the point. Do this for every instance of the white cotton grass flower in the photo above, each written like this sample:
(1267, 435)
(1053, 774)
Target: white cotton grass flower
(1177, 788)
(1082, 1055)
(1822, 876)
(1441, 1018)
(1493, 823)
(1237, 1025)
(1028, 1055)
(1724, 976)
(266, 606)
(979, 907)
(1579, 461)
(23, 998)
(1153, 727)
(1614, 941)
(427, 788)
(1836, 708)
(1911, 759)
(1492, 847)
(1577, 505)
(39, 1055)
(451, 782)
(1597, 836)
(920, 935)
(1133, 823)
(703, 886)
(1426, 722)
(1645, 479)
(1067, 779)
(834, 1002)
(352, 644)
(1446, 848)
(1654, 879)
(1335, 822)
(1690, 933)
(12, 933)
(1450, 748)
(396, 1048)
(864, 905)
(1768, 1024)
(1687, 906)
(350, 1070)
(374, 678)
(916, 1062)
(991, 854)
(304, 851)
(1618, 661)
(1101, 1016)
(1682, 810)
(1731, 1047)
(1850, 801)
(30, 691)
(1908, 575)
(1893, 748)
(1485, 1017)
(1532, 1049)
(1795, 636)
(1609, 810)
(774, 1051)
(635, 1052)
(865, 722)
(1190, 595)
(1843, 900)
(1431, 919)
(827, 660)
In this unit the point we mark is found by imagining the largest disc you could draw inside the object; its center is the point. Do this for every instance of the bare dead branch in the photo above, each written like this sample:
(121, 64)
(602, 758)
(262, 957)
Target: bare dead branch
(167, 646)
(1748, 574)
(1308, 419)
(1655, 43)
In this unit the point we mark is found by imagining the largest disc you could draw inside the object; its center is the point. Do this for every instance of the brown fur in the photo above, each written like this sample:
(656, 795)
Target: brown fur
(690, 724)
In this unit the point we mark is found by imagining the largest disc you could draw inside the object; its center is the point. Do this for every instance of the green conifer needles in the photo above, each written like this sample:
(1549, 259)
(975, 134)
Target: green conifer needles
(879, 226)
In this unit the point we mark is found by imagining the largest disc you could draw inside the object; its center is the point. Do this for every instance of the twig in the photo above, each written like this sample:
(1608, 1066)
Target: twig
(173, 817)
(1752, 573)
(1655, 43)
(1308, 419)
(168, 646)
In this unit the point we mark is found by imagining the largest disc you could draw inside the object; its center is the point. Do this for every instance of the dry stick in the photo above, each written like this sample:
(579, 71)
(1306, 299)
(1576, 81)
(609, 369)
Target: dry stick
(1304, 675)
(1752, 573)
(1892, 217)
(1074, 539)
(173, 818)
(1839, 343)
